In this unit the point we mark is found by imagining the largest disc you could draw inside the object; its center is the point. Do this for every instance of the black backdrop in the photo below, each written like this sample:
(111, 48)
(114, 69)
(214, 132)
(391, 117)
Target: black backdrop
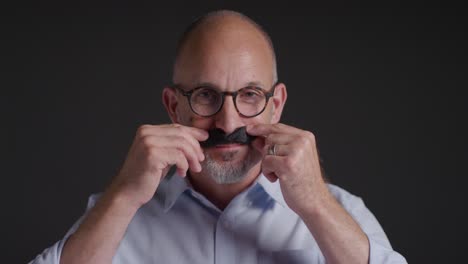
(381, 88)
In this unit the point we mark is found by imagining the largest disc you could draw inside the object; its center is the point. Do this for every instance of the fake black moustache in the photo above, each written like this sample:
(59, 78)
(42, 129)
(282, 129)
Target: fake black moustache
(218, 136)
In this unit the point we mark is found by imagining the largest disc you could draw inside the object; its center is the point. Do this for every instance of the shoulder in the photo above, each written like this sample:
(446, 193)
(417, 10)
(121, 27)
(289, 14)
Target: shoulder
(340, 193)
(348, 200)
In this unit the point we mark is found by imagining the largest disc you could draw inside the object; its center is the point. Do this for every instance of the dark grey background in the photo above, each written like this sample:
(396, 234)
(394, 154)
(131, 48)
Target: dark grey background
(381, 88)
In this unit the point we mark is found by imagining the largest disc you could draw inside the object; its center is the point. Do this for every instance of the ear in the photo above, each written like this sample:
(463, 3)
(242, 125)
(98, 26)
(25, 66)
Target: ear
(279, 100)
(169, 98)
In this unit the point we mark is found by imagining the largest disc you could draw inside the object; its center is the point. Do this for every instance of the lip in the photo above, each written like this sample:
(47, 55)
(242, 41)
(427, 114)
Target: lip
(229, 146)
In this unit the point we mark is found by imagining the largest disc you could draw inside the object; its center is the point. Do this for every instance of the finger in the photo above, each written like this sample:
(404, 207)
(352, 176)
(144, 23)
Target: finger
(174, 142)
(196, 146)
(185, 139)
(261, 129)
(273, 165)
(188, 133)
(279, 150)
(277, 138)
(258, 143)
(189, 146)
(269, 173)
(177, 158)
(270, 176)
(265, 129)
(199, 134)
(171, 129)
(191, 134)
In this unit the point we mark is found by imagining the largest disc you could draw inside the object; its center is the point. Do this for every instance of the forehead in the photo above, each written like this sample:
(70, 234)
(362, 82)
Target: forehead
(228, 57)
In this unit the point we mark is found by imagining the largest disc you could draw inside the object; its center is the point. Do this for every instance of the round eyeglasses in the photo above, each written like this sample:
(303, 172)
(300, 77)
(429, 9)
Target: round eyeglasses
(207, 101)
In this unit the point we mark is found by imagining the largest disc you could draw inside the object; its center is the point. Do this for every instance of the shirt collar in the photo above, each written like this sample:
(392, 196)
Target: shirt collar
(272, 188)
(173, 185)
(170, 188)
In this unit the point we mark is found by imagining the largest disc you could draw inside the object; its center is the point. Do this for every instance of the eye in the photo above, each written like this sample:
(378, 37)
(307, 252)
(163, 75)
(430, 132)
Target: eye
(205, 96)
(250, 94)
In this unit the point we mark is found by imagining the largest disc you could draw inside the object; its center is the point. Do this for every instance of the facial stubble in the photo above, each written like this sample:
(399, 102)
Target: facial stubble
(227, 170)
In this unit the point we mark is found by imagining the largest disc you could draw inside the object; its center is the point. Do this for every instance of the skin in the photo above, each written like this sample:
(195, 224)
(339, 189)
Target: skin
(229, 53)
(216, 56)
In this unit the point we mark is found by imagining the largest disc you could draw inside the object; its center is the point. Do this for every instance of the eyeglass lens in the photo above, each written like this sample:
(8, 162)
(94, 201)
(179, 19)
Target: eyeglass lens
(207, 101)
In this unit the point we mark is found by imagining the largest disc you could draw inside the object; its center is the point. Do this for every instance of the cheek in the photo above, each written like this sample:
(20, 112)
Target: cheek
(192, 120)
(201, 122)
(186, 117)
(271, 115)
(183, 114)
(265, 118)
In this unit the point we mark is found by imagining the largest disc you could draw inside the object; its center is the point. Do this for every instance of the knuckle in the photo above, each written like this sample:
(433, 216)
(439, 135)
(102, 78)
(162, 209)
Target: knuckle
(180, 130)
(183, 138)
(289, 164)
(310, 135)
(141, 131)
(151, 153)
(146, 141)
(183, 152)
(307, 138)
(182, 144)
(303, 140)
(180, 155)
(280, 125)
(298, 153)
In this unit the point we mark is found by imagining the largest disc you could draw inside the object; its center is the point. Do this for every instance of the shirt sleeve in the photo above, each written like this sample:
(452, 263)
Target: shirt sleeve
(381, 252)
(52, 254)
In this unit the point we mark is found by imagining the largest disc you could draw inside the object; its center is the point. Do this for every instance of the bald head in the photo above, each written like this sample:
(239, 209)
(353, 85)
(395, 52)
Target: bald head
(230, 31)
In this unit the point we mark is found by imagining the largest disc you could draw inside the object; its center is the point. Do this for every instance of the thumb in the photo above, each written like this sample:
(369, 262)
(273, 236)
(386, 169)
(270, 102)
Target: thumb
(259, 144)
(271, 176)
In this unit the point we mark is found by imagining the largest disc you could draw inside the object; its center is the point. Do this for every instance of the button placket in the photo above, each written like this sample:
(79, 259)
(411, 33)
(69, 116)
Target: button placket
(225, 248)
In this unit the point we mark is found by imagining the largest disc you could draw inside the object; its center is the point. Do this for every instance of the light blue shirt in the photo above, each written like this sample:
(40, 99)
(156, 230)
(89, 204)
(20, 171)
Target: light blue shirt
(179, 225)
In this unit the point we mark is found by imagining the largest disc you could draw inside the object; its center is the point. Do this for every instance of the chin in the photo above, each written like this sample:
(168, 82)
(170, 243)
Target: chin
(229, 166)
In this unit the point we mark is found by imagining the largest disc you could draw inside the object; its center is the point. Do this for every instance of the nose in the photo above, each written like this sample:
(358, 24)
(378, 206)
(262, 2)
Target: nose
(227, 118)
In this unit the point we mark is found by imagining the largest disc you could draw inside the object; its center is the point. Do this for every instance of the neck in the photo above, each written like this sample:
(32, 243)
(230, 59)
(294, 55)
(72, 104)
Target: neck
(222, 194)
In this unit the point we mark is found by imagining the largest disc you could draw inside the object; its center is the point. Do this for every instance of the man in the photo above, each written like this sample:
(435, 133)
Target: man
(233, 197)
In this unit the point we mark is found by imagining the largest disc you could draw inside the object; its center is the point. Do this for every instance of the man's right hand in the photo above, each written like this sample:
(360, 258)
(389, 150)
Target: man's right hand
(154, 150)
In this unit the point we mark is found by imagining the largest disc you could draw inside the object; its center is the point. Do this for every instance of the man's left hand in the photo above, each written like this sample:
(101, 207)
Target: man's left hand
(295, 163)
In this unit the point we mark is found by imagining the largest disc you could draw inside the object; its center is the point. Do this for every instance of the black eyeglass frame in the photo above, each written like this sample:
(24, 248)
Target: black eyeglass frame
(189, 93)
